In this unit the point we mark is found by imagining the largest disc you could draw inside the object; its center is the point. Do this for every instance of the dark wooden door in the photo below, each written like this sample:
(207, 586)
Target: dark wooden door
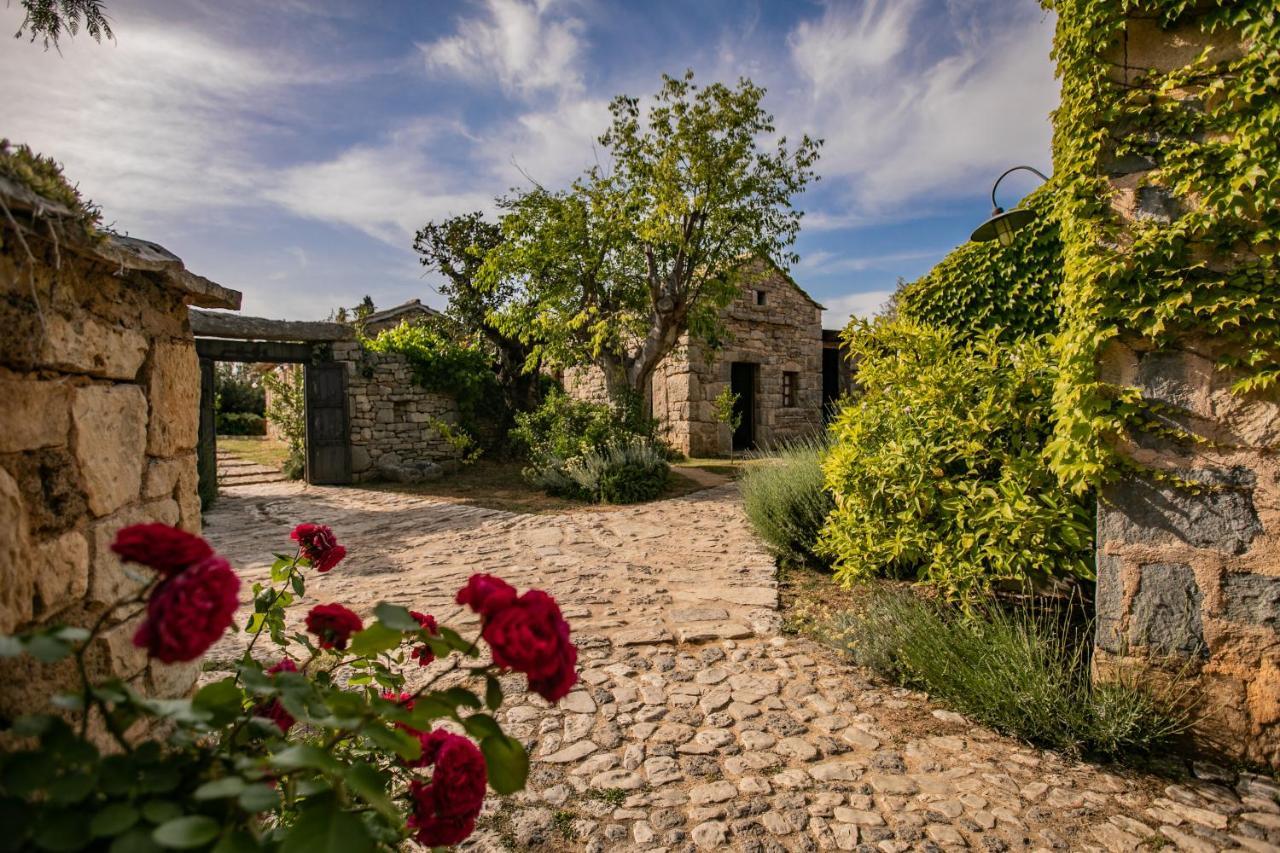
(207, 447)
(742, 381)
(328, 427)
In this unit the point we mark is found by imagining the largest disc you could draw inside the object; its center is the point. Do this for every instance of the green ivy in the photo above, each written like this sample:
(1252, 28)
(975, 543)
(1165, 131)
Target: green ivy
(1208, 135)
(982, 286)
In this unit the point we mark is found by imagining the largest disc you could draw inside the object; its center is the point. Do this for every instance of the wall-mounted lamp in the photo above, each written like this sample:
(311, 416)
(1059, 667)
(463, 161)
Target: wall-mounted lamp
(1001, 226)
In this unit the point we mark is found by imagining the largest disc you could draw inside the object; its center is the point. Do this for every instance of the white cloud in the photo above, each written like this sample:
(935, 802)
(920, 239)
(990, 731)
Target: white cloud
(826, 263)
(151, 125)
(841, 308)
(526, 47)
(902, 122)
(386, 189)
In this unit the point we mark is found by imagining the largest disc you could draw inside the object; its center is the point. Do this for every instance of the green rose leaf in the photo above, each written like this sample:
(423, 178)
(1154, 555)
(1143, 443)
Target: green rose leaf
(375, 639)
(371, 786)
(238, 841)
(258, 798)
(395, 616)
(223, 700)
(325, 828)
(47, 648)
(218, 789)
(10, 647)
(507, 762)
(160, 811)
(303, 755)
(186, 833)
(135, 840)
(481, 726)
(113, 819)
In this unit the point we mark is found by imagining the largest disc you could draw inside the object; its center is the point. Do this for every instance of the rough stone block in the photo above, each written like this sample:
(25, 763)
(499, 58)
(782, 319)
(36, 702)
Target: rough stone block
(110, 442)
(108, 580)
(85, 345)
(15, 567)
(1251, 599)
(61, 572)
(1109, 603)
(174, 394)
(35, 414)
(1137, 510)
(1166, 610)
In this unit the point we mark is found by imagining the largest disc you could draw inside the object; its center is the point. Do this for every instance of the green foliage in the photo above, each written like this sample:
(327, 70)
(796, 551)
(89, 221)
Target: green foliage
(938, 468)
(456, 248)
(43, 176)
(1210, 133)
(725, 408)
(787, 502)
(446, 365)
(982, 286)
(592, 451)
(1024, 672)
(215, 772)
(237, 389)
(49, 20)
(287, 409)
(617, 266)
(241, 423)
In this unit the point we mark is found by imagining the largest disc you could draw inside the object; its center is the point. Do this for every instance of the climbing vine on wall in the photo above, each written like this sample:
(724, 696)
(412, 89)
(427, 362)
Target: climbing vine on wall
(1199, 146)
(981, 286)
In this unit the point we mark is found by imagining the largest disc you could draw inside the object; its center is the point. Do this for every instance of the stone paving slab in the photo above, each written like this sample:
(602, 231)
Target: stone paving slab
(698, 726)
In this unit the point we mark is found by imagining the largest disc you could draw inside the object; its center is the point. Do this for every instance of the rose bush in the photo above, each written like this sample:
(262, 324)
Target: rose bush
(325, 746)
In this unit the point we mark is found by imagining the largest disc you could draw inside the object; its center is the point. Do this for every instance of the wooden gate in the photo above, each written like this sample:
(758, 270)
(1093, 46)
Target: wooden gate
(328, 439)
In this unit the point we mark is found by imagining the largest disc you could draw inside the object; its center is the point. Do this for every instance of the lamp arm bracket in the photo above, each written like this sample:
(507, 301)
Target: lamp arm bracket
(1006, 173)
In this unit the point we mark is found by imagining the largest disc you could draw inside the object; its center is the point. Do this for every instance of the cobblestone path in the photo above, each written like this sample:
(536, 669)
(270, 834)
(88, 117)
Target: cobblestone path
(699, 726)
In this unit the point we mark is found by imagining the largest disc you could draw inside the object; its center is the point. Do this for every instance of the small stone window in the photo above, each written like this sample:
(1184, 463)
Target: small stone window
(790, 382)
(761, 297)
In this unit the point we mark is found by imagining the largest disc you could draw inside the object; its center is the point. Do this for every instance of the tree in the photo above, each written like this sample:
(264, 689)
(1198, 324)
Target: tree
(727, 413)
(623, 262)
(456, 248)
(49, 20)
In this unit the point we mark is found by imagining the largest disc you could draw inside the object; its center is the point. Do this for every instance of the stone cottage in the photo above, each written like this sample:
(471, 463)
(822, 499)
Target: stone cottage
(772, 355)
(412, 312)
(100, 383)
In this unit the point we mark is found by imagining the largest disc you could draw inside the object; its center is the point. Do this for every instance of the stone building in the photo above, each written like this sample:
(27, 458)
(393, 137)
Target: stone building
(773, 356)
(411, 312)
(100, 383)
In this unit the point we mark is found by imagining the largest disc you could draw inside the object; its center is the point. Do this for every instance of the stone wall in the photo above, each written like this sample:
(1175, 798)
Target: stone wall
(1189, 578)
(392, 437)
(101, 385)
(782, 335)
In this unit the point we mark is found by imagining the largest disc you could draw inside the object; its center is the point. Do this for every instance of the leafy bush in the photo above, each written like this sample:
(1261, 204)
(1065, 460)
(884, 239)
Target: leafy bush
(238, 390)
(787, 503)
(241, 423)
(624, 473)
(938, 468)
(563, 427)
(1023, 672)
(314, 744)
(287, 409)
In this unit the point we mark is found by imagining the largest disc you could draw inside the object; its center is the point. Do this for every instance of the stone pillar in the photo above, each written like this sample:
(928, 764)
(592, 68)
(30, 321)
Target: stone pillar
(1188, 553)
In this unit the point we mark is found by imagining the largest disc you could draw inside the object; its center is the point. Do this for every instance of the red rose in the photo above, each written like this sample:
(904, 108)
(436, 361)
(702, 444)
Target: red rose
(485, 594)
(273, 710)
(189, 611)
(333, 624)
(166, 549)
(445, 809)
(319, 545)
(531, 636)
(423, 654)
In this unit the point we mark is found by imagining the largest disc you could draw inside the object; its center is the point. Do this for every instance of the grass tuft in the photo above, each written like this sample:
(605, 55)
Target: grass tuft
(1025, 672)
(787, 503)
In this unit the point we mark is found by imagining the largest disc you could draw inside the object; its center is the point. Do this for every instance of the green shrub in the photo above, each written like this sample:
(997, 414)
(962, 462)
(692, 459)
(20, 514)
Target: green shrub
(938, 469)
(241, 423)
(787, 503)
(1024, 672)
(288, 411)
(563, 427)
(632, 471)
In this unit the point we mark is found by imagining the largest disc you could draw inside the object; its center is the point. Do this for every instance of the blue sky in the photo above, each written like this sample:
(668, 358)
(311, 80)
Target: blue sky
(290, 149)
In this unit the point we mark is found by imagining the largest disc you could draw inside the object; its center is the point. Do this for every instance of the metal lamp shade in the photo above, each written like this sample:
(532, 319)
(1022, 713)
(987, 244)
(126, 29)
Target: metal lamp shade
(1002, 226)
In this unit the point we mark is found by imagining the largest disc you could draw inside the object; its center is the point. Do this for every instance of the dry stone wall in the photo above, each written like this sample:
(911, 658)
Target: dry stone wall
(392, 418)
(100, 387)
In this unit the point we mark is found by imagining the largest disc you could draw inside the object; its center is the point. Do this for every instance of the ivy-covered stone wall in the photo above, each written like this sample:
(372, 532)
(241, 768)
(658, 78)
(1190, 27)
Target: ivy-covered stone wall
(1168, 192)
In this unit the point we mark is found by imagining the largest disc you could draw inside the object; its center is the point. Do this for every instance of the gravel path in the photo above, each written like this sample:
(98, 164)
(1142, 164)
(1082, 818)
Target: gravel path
(699, 726)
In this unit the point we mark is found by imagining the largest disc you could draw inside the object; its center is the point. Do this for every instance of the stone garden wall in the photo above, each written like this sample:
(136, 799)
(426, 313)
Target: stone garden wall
(1189, 573)
(392, 436)
(100, 388)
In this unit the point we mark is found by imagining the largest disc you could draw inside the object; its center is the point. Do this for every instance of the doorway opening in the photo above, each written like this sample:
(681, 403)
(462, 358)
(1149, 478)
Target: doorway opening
(743, 377)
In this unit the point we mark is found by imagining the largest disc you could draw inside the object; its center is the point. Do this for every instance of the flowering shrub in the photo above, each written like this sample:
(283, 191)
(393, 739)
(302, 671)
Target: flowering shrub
(318, 745)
